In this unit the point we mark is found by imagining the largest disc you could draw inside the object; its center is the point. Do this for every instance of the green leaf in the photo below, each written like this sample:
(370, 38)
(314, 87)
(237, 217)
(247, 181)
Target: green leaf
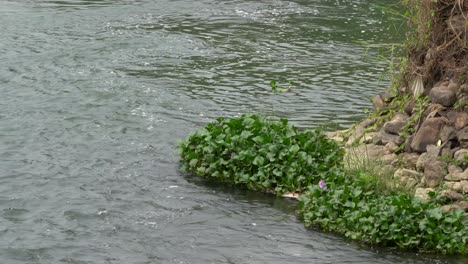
(434, 213)
(294, 149)
(193, 162)
(259, 161)
(259, 139)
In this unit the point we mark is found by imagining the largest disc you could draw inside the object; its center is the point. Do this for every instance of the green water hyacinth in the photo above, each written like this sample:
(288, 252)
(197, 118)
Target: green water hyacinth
(260, 154)
(272, 156)
(361, 213)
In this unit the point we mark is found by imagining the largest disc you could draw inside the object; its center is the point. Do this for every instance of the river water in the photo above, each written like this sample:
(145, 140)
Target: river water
(95, 94)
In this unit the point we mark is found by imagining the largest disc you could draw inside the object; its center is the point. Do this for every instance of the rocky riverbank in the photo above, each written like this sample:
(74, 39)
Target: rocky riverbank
(422, 143)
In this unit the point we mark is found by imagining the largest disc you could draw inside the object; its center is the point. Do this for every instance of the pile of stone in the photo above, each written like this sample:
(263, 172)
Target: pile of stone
(432, 158)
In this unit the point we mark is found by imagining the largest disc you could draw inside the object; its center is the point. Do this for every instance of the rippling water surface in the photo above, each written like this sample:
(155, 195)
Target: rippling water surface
(95, 94)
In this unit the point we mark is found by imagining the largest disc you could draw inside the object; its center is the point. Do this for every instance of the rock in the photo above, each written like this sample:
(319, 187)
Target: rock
(455, 186)
(451, 116)
(454, 169)
(434, 172)
(450, 207)
(396, 124)
(462, 136)
(423, 193)
(410, 183)
(378, 103)
(451, 195)
(457, 176)
(367, 138)
(453, 86)
(446, 150)
(390, 148)
(433, 151)
(461, 155)
(463, 205)
(387, 95)
(461, 186)
(464, 187)
(427, 134)
(407, 178)
(408, 173)
(409, 107)
(386, 138)
(461, 120)
(422, 160)
(359, 131)
(448, 133)
(336, 135)
(464, 88)
(410, 159)
(433, 110)
(443, 95)
(389, 159)
(408, 141)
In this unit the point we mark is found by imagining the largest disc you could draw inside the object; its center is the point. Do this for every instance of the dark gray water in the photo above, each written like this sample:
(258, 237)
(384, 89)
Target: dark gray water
(95, 94)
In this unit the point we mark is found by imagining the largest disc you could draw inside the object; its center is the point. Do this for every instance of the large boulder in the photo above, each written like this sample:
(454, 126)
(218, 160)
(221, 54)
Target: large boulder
(443, 95)
(427, 134)
(383, 138)
(434, 172)
(410, 160)
(395, 125)
(390, 148)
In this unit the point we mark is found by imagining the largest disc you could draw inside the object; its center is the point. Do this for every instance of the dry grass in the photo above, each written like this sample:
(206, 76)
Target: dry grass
(370, 169)
(439, 48)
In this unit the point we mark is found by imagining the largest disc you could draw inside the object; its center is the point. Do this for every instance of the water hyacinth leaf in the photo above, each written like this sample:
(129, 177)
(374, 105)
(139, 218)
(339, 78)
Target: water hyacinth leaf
(259, 161)
(267, 155)
(193, 163)
(435, 213)
(294, 149)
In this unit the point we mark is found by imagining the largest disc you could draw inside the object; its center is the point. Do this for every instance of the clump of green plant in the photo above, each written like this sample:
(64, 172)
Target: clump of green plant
(260, 154)
(354, 208)
(276, 88)
(273, 156)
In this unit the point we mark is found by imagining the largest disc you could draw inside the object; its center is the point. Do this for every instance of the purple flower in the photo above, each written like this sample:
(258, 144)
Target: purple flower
(233, 154)
(322, 185)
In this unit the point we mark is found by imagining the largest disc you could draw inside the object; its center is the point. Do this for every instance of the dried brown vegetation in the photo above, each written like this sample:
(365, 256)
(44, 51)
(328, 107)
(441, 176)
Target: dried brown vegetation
(438, 50)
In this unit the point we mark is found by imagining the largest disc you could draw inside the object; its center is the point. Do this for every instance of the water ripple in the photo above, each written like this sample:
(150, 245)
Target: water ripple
(95, 95)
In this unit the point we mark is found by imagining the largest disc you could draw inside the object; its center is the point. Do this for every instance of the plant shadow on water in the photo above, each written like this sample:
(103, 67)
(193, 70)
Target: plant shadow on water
(288, 206)
(284, 205)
